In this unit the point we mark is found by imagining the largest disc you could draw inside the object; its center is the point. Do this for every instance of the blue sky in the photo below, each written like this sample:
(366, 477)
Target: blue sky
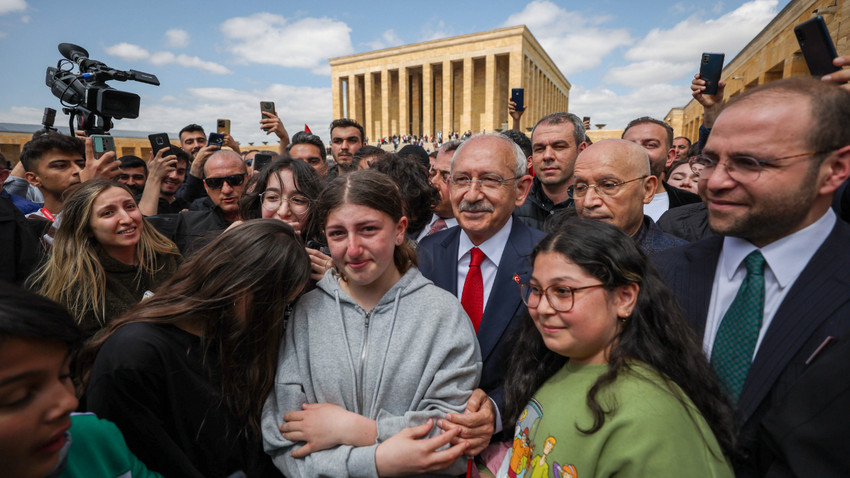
(218, 59)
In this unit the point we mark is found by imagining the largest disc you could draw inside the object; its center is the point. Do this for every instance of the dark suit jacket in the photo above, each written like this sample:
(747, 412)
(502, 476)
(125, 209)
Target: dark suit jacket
(438, 262)
(816, 307)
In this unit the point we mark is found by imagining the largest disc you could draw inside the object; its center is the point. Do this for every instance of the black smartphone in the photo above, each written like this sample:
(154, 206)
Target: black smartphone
(710, 69)
(266, 106)
(216, 139)
(159, 141)
(223, 126)
(102, 143)
(260, 160)
(817, 46)
(518, 97)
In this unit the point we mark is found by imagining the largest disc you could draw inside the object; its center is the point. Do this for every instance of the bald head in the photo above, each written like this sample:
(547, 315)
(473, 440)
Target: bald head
(224, 157)
(613, 182)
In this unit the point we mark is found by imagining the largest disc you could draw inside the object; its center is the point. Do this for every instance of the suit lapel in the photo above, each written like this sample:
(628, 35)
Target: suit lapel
(504, 300)
(814, 297)
(696, 280)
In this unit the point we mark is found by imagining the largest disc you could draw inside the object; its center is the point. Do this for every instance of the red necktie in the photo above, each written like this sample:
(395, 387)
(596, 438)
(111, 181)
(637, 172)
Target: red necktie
(472, 297)
(438, 226)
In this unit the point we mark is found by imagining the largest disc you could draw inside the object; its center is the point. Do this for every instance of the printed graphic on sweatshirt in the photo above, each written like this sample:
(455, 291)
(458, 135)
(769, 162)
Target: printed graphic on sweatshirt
(523, 460)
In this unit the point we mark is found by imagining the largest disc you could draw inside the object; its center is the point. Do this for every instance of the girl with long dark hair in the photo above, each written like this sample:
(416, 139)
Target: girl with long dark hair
(184, 374)
(606, 378)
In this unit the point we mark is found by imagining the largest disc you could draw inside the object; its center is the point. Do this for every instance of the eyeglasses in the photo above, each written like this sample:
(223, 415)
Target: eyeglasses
(297, 204)
(233, 180)
(444, 175)
(490, 183)
(608, 187)
(743, 169)
(560, 297)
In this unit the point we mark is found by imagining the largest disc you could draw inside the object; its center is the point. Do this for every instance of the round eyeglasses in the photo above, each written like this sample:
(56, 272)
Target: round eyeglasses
(273, 199)
(608, 187)
(560, 297)
(743, 169)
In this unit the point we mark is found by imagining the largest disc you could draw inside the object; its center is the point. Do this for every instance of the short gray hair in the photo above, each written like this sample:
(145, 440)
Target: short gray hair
(521, 164)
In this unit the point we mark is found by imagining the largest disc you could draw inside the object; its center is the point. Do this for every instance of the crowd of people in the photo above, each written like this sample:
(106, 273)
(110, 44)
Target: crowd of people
(506, 306)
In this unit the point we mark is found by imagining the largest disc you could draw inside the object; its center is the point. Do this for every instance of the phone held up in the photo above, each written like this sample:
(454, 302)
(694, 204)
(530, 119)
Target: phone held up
(102, 143)
(159, 141)
(709, 71)
(266, 107)
(261, 160)
(216, 139)
(518, 97)
(223, 126)
(816, 45)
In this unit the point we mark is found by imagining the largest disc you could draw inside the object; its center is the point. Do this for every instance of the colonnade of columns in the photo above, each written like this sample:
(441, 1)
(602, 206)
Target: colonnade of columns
(445, 95)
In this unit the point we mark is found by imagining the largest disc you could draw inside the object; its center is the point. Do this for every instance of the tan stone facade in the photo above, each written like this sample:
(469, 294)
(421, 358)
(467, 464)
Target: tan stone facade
(11, 144)
(772, 55)
(454, 84)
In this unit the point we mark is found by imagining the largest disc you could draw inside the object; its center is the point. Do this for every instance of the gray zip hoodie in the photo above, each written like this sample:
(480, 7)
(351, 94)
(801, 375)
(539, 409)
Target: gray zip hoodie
(413, 357)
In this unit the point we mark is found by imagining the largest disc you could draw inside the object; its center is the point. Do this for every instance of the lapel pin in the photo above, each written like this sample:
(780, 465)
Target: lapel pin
(516, 278)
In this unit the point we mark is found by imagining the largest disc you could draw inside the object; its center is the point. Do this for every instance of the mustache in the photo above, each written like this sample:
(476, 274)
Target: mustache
(477, 206)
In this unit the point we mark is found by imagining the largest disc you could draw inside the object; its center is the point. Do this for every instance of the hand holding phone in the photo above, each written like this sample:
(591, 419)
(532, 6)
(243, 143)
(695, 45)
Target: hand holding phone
(518, 97)
(710, 69)
(159, 141)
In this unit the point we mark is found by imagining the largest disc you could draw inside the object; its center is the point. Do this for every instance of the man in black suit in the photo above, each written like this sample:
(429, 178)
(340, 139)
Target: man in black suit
(774, 159)
(488, 180)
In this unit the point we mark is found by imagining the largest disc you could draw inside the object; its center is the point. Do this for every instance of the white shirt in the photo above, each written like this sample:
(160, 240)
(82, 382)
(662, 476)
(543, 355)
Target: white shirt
(492, 248)
(659, 205)
(785, 260)
(450, 222)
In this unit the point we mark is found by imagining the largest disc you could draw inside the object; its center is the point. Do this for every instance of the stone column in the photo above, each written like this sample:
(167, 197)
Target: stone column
(368, 98)
(403, 102)
(466, 115)
(427, 100)
(336, 94)
(352, 99)
(516, 79)
(385, 105)
(448, 79)
(489, 122)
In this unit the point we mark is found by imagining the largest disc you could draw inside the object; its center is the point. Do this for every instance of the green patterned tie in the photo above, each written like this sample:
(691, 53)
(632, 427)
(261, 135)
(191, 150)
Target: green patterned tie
(735, 343)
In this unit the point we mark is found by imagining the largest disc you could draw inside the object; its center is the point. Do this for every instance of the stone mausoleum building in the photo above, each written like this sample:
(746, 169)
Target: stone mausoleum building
(454, 84)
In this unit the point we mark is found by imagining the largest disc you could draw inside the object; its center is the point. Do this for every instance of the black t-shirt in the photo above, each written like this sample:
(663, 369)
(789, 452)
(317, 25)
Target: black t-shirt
(153, 381)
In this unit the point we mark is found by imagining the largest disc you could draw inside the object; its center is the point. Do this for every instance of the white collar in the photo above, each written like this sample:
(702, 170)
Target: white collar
(492, 248)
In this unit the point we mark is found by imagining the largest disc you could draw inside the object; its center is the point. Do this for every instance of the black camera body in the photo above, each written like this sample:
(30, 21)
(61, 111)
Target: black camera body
(85, 94)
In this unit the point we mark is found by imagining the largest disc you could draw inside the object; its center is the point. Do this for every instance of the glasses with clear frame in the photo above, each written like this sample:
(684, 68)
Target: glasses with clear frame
(560, 297)
(607, 187)
(273, 199)
(489, 182)
(743, 169)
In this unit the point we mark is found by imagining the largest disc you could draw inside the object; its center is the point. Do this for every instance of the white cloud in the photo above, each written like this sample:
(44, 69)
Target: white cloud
(387, 40)
(576, 43)
(296, 105)
(27, 115)
(728, 34)
(604, 105)
(437, 31)
(177, 38)
(9, 6)
(129, 51)
(271, 39)
(650, 71)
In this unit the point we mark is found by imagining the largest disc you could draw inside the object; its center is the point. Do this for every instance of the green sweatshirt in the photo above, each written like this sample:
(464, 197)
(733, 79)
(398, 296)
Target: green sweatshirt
(649, 434)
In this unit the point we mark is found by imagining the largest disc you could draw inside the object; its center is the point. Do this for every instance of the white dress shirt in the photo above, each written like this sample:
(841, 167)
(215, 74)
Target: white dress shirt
(659, 205)
(450, 222)
(785, 260)
(492, 248)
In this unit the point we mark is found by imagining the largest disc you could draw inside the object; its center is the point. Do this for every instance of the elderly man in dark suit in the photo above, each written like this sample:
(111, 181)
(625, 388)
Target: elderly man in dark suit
(771, 292)
(483, 260)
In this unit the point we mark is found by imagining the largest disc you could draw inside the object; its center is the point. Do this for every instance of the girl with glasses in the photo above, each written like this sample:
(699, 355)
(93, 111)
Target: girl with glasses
(287, 189)
(606, 378)
(374, 355)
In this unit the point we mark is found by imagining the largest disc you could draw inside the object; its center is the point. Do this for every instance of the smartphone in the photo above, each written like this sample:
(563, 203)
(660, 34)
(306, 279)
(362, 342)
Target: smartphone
(518, 97)
(102, 143)
(216, 139)
(260, 160)
(709, 71)
(159, 141)
(817, 46)
(223, 126)
(266, 106)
